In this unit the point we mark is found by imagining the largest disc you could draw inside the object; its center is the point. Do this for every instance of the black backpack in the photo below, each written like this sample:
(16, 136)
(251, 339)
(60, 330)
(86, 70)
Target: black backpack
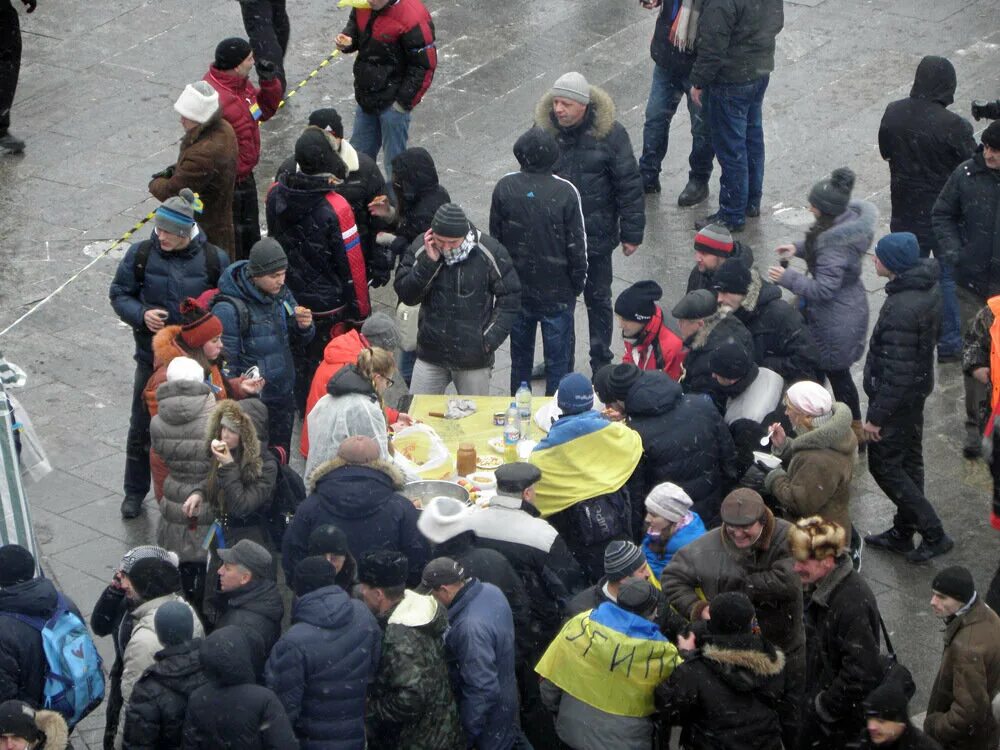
(289, 492)
(213, 268)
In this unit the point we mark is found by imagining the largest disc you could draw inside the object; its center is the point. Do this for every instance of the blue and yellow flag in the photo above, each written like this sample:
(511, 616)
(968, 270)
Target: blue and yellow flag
(583, 456)
(610, 659)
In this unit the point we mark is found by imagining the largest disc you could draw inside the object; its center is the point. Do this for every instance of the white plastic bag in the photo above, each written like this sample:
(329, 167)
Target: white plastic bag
(438, 463)
(406, 324)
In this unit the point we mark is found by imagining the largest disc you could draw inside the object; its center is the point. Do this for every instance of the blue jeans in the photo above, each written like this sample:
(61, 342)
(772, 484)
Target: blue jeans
(735, 119)
(665, 94)
(387, 130)
(405, 366)
(950, 338)
(558, 341)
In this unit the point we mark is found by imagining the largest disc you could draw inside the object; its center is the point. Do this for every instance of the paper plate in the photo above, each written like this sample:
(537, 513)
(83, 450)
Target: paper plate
(766, 459)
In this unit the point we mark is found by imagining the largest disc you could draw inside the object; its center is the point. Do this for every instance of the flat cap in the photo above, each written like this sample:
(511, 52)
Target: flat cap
(517, 476)
(742, 507)
(251, 556)
(695, 305)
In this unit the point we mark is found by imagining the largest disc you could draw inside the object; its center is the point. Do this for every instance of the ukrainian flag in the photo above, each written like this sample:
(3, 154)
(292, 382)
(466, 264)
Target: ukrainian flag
(610, 659)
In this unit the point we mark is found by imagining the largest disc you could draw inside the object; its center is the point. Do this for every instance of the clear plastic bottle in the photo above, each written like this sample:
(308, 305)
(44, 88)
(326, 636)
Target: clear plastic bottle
(523, 400)
(511, 434)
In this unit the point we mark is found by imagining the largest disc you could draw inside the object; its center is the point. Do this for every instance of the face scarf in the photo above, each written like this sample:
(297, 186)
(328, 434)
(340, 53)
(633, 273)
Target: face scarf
(451, 257)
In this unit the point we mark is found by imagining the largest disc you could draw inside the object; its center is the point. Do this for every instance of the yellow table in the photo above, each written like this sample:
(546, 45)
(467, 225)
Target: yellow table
(477, 428)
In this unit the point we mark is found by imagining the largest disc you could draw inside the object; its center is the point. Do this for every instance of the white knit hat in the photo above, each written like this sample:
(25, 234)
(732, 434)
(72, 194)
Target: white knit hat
(185, 368)
(572, 86)
(198, 101)
(668, 501)
(810, 398)
(444, 518)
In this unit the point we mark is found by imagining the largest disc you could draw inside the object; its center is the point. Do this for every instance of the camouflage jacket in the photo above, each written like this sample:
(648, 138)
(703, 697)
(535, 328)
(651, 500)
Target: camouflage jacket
(410, 705)
(976, 345)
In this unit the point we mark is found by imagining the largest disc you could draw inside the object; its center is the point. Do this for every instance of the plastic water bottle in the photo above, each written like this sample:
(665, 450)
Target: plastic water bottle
(523, 399)
(511, 434)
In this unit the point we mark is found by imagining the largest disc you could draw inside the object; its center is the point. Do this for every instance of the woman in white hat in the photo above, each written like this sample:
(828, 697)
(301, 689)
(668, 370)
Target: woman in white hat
(670, 524)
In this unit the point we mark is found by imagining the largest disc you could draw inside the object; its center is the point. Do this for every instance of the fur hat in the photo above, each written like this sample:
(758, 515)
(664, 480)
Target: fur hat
(328, 540)
(443, 518)
(383, 569)
(814, 538)
(198, 102)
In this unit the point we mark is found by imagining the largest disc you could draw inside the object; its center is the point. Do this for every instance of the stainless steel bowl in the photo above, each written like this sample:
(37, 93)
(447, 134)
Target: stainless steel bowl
(426, 489)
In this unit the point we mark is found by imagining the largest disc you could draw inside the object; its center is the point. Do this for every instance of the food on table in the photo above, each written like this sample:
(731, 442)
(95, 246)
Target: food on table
(415, 446)
(489, 462)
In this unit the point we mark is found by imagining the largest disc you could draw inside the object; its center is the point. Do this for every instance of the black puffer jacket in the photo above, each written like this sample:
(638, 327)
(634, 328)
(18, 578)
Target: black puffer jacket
(256, 609)
(720, 328)
(842, 644)
(781, 341)
(726, 697)
(703, 279)
(232, 712)
(684, 441)
(736, 41)
(966, 220)
(303, 221)
(596, 156)
(155, 716)
(900, 363)
(923, 143)
(467, 309)
(538, 218)
(418, 196)
(22, 658)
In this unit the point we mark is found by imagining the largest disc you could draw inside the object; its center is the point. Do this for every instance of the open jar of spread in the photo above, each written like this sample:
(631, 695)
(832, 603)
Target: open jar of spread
(465, 459)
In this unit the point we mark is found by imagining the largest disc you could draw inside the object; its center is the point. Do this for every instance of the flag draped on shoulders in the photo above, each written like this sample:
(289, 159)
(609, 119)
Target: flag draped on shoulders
(610, 659)
(583, 456)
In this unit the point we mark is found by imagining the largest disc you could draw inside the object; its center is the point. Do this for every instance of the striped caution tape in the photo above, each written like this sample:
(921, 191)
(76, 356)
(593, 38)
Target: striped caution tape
(146, 219)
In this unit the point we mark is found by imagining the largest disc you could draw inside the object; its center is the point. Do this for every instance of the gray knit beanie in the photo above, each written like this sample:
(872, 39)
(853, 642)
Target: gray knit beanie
(572, 86)
(450, 221)
(831, 195)
(266, 256)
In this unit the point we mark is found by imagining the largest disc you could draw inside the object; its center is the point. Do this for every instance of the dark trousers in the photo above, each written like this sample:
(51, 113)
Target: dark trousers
(896, 462)
(10, 60)
(137, 473)
(600, 318)
(267, 26)
(558, 341)
(246, 216)
(976, 393)
(193, 579)
(280, 420)
(666, 91)
(845, 391)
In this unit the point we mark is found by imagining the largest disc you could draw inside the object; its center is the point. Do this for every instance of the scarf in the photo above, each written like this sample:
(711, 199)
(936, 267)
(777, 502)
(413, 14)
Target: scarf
(684, 29)
(451, 257)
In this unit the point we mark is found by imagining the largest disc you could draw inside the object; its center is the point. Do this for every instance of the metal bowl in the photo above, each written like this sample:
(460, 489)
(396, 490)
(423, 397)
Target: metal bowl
(426, 489)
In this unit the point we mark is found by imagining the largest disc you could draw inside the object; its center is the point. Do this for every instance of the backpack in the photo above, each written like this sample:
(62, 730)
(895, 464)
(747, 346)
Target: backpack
(74, 678)
(213, 297)
(213, 268)
(289, 492)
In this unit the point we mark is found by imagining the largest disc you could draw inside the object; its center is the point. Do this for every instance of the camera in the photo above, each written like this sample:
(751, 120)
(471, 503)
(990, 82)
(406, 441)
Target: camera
(986, 110)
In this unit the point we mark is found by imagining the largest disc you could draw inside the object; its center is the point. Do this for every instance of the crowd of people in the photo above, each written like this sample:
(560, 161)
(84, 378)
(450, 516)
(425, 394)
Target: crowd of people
(647, 567)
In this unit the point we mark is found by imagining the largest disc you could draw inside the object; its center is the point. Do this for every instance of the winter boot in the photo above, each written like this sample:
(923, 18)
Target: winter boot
(859, 433)
(931, 545)
(973, 447)
(693, 193)
(131, 506)
(11, 143)
(892, 540)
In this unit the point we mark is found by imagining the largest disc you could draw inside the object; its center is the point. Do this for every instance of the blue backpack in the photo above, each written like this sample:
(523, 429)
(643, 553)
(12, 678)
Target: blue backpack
(74, 680)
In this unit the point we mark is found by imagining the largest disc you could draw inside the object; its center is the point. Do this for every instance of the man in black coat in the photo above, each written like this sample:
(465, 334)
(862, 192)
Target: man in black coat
(250, 598)
(781, 341)
(154, 719)
(10, 69)
(713, 246)
(684, 440)
(899, 375)
(22, 658)
(965, 218)
(842, 636)
(470, 296)
(923, 143)
(624, 561)
(704, 328)
(538, 217)
(887, 716)
(595, 154)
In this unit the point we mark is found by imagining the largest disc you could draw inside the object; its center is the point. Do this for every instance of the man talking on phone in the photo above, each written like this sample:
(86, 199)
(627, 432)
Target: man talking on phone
(152, 280)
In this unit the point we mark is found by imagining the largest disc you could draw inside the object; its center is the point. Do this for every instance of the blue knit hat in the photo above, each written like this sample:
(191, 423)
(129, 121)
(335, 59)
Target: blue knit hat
(898, 251)
(575, 394)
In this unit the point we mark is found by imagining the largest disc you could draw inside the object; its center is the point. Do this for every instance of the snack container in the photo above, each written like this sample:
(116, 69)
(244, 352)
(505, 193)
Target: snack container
(499, 418)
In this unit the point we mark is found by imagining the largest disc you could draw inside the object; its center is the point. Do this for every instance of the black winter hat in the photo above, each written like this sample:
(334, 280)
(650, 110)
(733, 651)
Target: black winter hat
(152, 578)
(328, 119)
(832, 194)
(890, 700)
(536, 150)
(17, 718)
(601, 381)
(174, 623)
(328, 540)
(383, 569)
(730, 361)
(732, 277)
(956, 582)
(315, 155)
(638, 302)
(639, 597)
(731, 614)
(450, 221)
(231, 52)
(313, 573)
(16, 565)
(991, 136)
(621, 379)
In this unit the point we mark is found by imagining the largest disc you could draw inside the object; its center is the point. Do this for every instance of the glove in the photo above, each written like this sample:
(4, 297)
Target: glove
(379, 277)
(385, 239)
(30, 5)
(166, 172)
(266, 70)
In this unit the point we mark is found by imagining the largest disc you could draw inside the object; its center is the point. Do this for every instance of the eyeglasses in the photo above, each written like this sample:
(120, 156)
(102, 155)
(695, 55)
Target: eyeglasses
(388, 381)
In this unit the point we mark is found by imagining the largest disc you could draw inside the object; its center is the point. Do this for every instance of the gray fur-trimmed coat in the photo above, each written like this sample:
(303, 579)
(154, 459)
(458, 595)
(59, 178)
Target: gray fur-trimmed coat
(832, 298)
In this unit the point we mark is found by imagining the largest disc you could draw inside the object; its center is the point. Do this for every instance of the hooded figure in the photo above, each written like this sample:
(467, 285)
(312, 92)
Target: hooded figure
(42, 730)
(537, 216)
(418, 195)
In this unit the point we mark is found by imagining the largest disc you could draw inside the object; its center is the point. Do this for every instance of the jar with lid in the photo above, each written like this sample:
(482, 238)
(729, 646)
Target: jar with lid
(465, 459)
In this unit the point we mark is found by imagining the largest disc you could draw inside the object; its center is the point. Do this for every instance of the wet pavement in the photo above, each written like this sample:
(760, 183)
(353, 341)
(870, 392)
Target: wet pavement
(95, 106)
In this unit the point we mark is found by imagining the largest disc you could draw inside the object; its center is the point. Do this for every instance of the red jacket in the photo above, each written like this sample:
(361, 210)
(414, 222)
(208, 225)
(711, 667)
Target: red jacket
(243, 104)
(659, 348)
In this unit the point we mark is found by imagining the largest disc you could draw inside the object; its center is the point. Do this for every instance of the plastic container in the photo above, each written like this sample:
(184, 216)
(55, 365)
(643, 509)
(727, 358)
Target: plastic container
(523, 400)
(511, 434)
